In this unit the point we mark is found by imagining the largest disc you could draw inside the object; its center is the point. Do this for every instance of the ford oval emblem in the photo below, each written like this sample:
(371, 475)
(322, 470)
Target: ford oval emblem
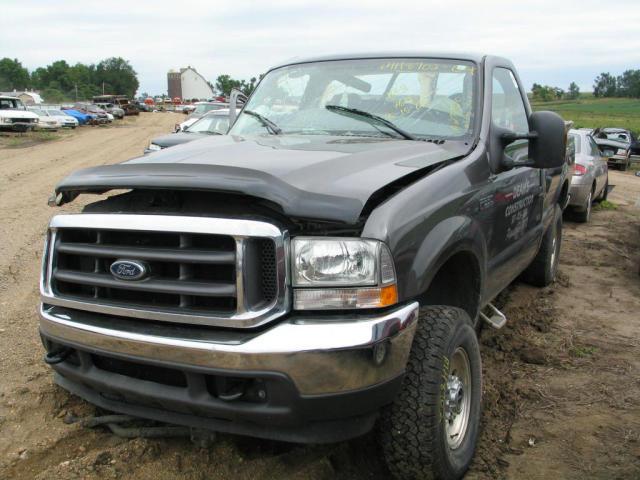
(129, 270)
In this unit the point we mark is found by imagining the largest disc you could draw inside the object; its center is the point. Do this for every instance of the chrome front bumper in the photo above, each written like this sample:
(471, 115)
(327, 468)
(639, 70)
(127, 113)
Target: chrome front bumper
(321, 355)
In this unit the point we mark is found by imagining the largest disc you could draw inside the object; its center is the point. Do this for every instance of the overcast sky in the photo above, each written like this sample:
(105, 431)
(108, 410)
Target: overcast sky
(551, 41)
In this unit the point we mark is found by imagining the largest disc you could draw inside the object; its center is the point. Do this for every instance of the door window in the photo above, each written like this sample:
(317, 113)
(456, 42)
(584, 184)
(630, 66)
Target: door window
(507, 106)
(595, 151)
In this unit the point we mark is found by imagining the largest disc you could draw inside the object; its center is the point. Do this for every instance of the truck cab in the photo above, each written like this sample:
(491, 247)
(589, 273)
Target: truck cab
(323, 267)
(14, 115)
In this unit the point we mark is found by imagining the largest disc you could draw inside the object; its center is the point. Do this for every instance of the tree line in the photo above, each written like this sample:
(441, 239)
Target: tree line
(604, 85)
(625, 85)
(60, 81)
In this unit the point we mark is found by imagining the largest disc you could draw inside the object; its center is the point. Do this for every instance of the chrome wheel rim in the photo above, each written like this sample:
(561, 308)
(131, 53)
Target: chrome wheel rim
(457, 401)
(589, 206)
(553, 252)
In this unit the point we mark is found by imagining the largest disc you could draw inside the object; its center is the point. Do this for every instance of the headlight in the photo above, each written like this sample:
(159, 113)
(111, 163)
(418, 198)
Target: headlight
(363, 265)
(154, 147)
(621, 151)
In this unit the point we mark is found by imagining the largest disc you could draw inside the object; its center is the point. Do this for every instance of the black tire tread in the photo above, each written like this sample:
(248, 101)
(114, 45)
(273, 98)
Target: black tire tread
(406, 431)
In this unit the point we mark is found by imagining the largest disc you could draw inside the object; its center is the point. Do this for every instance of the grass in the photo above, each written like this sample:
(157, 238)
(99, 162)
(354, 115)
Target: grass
(591, 112)
(27, 139)
(605, 205)
(582, 351)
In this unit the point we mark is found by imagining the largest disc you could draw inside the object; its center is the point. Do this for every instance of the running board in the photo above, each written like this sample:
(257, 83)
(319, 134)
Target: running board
(497, 319)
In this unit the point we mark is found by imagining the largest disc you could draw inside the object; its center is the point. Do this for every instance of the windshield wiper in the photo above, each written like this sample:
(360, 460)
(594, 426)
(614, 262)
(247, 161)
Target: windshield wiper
(272, 127)
(371, 118)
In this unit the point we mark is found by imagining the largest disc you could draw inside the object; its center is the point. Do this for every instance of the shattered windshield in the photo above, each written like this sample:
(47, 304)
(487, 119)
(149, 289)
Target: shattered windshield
(424, 98)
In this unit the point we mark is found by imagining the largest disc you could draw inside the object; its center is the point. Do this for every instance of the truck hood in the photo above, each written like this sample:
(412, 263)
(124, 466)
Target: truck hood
(178, 138)
(308, 176)
(13, 113)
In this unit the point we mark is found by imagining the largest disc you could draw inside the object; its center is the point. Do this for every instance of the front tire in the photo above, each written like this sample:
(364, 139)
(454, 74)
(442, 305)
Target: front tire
(431, 430)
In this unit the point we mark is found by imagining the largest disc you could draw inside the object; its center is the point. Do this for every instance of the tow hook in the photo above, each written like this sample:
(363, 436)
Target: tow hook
(57, 356)
(497, 319)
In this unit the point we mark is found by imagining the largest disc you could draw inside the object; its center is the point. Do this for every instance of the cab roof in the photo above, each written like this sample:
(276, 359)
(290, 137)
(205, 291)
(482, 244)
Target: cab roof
(469, 57)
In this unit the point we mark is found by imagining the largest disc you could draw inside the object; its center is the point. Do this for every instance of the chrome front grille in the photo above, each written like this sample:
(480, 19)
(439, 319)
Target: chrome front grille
(208, 271)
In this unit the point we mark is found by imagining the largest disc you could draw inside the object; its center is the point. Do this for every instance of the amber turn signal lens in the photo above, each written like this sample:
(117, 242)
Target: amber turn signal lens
(388, 295)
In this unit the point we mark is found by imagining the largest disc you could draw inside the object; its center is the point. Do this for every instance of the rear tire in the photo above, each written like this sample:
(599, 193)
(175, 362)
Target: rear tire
(544, 266)
(583, 216)
(431, 429)
(605, 191)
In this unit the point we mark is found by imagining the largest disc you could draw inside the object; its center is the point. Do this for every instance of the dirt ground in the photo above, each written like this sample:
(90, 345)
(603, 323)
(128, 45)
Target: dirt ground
(562, 379)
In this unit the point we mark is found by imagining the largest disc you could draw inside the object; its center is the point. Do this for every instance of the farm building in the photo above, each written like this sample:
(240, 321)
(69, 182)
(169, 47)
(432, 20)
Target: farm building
(28, 98)
(188, 84)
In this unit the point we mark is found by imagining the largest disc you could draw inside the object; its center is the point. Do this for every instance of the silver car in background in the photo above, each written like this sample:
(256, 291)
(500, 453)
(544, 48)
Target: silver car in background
(590, 179)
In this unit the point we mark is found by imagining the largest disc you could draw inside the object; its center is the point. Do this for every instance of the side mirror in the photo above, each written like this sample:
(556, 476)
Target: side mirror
(548, 149)
(237, 96)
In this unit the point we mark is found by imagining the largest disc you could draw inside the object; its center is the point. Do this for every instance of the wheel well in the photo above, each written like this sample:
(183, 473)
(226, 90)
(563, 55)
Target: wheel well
(457, 284)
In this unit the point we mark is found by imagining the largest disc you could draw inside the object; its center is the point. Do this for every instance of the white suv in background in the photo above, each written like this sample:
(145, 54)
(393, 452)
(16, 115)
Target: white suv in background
(14, 115)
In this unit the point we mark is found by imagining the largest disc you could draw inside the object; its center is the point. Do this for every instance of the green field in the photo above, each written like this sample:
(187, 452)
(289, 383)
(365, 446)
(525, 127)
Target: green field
(597, 112)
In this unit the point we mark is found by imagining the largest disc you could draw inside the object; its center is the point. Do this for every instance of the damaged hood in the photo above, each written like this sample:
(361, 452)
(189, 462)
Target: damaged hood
(308, 176)
(612, 143)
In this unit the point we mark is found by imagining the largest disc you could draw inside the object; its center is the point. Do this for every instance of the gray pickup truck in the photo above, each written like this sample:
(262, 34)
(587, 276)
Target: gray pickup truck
(321, 269)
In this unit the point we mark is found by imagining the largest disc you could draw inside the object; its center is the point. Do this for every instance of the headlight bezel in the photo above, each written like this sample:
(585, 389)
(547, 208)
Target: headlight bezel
(154, 147)
(299, 244)
(377, 290)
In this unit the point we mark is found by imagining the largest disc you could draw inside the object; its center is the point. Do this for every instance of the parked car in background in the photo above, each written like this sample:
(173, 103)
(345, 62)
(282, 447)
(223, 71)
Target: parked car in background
(111, 108)
(45, 122)
(143, 107)
(121, 101)
(100, 116)
(201, 108)
(615, 145)
(590, 179)
(14, 115)
(66, 120)
(82, 117)
(213, 123)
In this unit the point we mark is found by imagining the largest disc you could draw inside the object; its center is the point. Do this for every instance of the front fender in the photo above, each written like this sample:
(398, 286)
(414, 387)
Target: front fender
(429, 221)
(450, 236)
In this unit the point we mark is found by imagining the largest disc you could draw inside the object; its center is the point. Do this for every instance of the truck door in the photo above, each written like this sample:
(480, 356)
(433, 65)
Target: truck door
(517, 192)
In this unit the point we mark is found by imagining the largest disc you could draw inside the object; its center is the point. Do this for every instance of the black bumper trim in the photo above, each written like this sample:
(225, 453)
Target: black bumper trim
(285, 415)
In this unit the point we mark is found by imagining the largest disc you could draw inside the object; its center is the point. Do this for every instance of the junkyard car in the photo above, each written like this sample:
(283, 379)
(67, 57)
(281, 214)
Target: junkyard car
(66, 120)
(615, 145)
(201, 108)
(111, 108)
(213, 123)
(323, 266)
(45, 122)
(590, 180)
(99, 116)
(82, 117)
(14, 115)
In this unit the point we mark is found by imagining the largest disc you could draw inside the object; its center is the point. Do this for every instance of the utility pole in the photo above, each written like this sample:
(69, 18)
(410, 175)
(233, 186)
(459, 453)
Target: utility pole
(102, 88)
(76, 85)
